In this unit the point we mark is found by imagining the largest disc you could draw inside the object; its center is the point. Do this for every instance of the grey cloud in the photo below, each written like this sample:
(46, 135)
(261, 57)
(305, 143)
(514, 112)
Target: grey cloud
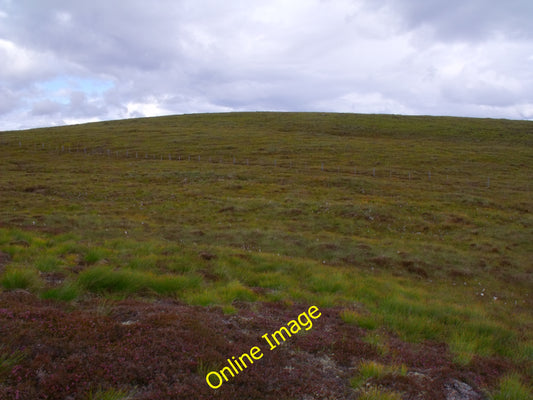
(46, 107)
(81, 106)
(480, 93)
(465, 20)
(78, 106)
(8, 100)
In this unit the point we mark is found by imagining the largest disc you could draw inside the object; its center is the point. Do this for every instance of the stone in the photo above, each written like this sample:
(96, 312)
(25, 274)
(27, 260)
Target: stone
(457, 390)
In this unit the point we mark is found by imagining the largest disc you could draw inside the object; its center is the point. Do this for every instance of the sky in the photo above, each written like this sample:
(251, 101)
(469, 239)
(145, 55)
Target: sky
(66, 62)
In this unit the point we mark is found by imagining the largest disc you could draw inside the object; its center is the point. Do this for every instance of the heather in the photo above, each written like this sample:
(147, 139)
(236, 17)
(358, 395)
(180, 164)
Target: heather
(164, 348)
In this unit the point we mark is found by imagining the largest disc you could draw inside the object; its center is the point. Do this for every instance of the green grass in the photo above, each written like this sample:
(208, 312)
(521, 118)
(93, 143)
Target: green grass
(511, 388)
(92, 256)
(366, 321)
(20, 278)
(378, 341)
(371, 369)
(235, 290)
(253, 216)
(106, 279)
(374, 393)
(349, 316)
(47, 263)
(109, 394)
(9, 360)
(66, 292)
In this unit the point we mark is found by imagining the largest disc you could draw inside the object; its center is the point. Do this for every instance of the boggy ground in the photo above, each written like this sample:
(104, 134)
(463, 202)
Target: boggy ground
(163, 350)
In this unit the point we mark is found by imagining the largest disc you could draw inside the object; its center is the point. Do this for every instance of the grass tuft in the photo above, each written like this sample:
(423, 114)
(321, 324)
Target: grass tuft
(378, 341)
(373, 393)
(18, 278)
(93, 255)
(109, 394)
(511, 388)
(47, 264)
(9, 360)
(235, 290)
(373, 369)
(105, 279)
(66, 292)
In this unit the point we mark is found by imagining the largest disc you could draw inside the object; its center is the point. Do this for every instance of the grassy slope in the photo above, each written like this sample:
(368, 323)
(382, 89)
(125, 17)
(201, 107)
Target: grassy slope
(418, 226)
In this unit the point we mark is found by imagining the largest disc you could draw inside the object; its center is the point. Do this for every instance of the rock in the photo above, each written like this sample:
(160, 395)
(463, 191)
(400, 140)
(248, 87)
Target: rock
(457, 390)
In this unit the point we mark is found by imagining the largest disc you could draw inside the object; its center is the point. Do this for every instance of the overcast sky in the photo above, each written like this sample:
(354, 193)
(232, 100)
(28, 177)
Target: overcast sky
(70, 61)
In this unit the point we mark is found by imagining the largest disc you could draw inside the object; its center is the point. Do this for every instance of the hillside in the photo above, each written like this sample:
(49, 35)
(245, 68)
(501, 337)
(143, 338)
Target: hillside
(137, 256)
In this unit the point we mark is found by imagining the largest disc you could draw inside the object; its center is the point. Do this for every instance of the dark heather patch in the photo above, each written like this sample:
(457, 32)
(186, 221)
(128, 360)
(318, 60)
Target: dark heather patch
(164, 349)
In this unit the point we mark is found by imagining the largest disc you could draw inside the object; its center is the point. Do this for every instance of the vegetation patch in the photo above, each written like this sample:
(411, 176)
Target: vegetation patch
(20, 278)
(511, 387)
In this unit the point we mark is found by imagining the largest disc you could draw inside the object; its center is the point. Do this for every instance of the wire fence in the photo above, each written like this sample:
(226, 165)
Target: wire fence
(284, 164)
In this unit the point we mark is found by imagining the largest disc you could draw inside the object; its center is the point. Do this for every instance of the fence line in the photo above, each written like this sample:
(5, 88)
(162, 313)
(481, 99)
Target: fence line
(409, 175)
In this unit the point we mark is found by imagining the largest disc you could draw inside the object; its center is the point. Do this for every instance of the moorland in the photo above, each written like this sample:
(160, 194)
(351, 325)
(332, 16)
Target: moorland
(137, 256)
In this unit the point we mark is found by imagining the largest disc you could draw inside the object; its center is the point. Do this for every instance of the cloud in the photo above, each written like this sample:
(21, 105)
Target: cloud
(20, 64)
(459, 20)
(46, 107)
(8, 100)
(68, 60)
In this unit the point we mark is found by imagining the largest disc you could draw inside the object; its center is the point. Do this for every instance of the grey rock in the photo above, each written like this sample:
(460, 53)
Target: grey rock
(457, 390)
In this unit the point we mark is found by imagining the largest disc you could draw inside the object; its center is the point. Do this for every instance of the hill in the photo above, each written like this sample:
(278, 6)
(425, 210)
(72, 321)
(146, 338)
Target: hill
(411, 235)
